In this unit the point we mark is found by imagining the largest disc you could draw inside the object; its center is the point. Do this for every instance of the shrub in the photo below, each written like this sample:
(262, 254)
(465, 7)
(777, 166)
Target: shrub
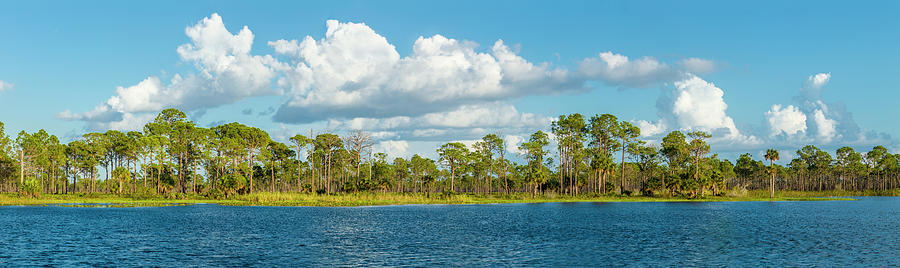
(30, 188)
(232, 183)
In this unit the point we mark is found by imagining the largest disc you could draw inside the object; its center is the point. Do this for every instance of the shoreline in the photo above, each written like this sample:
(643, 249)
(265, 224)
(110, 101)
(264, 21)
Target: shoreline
(380, 199)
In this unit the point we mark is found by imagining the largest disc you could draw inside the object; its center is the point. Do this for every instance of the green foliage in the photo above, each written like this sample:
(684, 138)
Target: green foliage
(232, 184)
(31, 187)
(172, 156)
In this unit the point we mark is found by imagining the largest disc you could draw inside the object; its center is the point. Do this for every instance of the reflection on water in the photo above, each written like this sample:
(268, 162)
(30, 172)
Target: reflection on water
(825, 233)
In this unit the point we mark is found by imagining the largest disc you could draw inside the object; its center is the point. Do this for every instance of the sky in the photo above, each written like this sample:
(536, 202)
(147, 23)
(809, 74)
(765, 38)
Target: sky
(416, 74)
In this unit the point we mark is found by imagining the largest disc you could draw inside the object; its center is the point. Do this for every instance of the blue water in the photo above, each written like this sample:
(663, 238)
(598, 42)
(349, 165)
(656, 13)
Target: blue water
(826, 233)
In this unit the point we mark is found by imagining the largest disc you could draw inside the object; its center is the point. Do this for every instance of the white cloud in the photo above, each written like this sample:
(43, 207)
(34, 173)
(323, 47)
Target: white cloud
(826, 127)
(512, 142)
(788, 120)
(102, 118)
(695, 104)
(485, 115)
(428, 133)
(470, 144)
(143, 97)
(354, 78)
(697, 65)
(5, 85)
(130, 122)
(812, 87)
(226, 73)
(619, 70)
(353, 72)
(393, 148)
(467, 121)
(700, 104)
(100, 113)
(812, 120)
(649, 129)
(818, 80)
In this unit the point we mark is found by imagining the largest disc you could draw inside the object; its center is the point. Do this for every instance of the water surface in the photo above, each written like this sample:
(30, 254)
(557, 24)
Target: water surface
(821, 233)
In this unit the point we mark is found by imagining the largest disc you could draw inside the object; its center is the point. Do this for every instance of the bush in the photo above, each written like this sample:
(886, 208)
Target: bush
(448, 194)
(231, 184)
(215, 193)
(30, 188)
(610, 187)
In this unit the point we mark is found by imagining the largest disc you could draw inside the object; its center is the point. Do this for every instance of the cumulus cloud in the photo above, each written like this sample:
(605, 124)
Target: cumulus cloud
(828, 124)
(353, 71)
(692, 104)
(618, 70)
(700, 104)
(468, 121)
(354, 78)
(818, 80)
(5, 85)
(697, 65)
(512, 142)
(649, 129)
(393, 148)
(226, 73)
(812, 87)
(788, 120)
(826, 127)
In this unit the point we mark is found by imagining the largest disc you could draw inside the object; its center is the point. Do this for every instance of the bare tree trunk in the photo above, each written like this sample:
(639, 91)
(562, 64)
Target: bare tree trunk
(21, 166)
(622, 180)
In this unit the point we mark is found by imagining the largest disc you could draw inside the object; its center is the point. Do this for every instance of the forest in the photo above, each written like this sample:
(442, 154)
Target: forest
(600, 155)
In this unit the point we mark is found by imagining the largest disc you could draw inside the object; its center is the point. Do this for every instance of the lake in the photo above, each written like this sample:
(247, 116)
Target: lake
(821, 233)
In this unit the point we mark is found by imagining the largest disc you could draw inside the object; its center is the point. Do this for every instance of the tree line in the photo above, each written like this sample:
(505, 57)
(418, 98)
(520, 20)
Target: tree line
(596, 155)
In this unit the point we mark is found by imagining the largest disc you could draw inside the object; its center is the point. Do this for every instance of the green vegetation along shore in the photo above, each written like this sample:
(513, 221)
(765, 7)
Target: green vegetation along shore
(596, 158)
(379, 199)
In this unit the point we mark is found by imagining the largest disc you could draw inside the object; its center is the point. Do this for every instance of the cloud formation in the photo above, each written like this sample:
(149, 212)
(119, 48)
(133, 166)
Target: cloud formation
(618, 70)
(694, 104)
(813, 121)
(393, 148)
(826, 127)
(354, 78)
(465, 122)
(818, 80)
(354, 72)
(226, 73)
(697, 65)
(787, 120)
(650, 129)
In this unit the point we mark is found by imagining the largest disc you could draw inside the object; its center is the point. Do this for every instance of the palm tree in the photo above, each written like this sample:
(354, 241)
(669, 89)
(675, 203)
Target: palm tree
(772, 156)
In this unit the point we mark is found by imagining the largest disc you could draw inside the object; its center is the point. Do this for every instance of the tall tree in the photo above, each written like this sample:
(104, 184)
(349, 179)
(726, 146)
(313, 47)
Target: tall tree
(569, 131)
(255, 140)
(535, 154)
(326, 145)
(487, 147)
(179, 132)
(772, 156)
(300, 142)
(453, 155)
(627, 133)
(358, 142)
(602, 130)
(93, 155)
(699, 148)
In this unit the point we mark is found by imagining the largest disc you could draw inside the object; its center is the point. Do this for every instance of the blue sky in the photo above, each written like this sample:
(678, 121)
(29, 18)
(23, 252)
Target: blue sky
(71, 56)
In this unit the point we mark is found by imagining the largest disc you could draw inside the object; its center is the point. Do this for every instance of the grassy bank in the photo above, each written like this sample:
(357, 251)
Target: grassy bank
(378, 199)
